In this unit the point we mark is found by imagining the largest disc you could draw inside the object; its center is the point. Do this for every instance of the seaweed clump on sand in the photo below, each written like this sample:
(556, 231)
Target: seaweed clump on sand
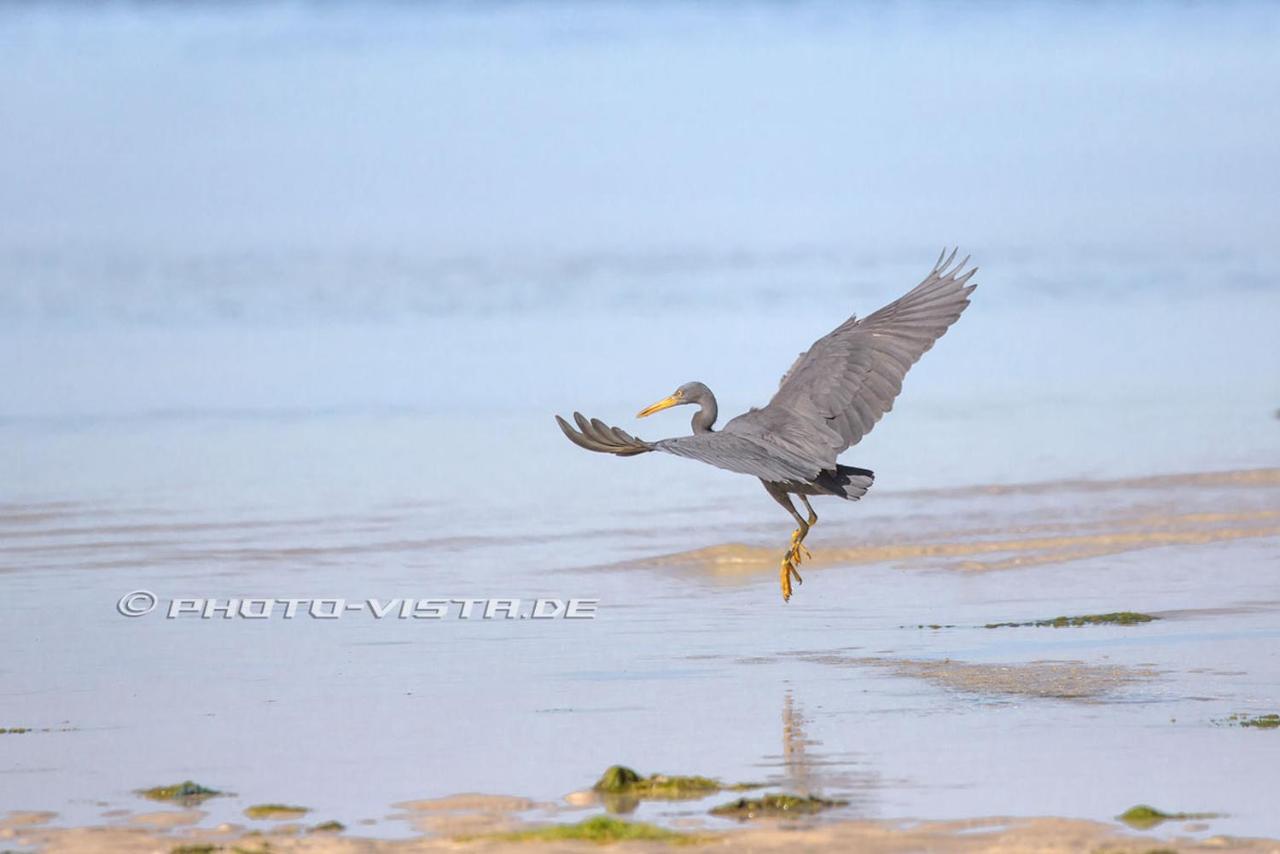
(602, 829)
(776, 806)
(622, 789)
(1144, 817)
(1115, 618)
(23, 730)
(621, 780)
(187, 793)
(275, 812)
(194, 849)
(1255, 721)
(328, 827)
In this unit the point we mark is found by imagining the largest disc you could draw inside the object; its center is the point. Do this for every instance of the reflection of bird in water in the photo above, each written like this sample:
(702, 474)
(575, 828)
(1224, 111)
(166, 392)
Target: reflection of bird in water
(805, 768)
(832, 396)
(799, 771)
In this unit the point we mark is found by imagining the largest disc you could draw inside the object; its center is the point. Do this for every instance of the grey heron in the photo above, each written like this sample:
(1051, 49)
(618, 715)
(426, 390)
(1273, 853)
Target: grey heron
(830, 398)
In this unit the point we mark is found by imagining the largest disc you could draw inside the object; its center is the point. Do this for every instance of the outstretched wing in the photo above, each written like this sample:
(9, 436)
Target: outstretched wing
(745, 455)
(849, 378)
(594, 435)
(735, 452)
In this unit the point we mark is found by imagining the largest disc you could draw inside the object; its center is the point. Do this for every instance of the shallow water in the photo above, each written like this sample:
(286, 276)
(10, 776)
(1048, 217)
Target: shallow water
(688, 667)
(239, 389)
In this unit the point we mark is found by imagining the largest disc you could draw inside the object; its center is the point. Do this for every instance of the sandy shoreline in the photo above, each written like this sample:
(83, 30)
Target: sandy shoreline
(1200, 508)
(989, 834)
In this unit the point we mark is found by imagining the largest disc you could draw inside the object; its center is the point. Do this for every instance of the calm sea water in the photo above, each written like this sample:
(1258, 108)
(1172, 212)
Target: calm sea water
(289, 294)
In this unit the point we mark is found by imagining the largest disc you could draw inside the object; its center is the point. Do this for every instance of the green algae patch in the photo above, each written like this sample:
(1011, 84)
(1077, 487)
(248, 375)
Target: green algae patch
(621, 780)
(23, 730)
(1145, 817)
(194, 849)
(275, 812)
(328, 827)
(1115, 618)
(1255, 721)
(775, 806)
(603, 830)
(187, 793)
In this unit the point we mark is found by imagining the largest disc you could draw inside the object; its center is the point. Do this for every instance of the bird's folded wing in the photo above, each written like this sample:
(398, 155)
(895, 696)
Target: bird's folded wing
(850, 377)
(594, 435)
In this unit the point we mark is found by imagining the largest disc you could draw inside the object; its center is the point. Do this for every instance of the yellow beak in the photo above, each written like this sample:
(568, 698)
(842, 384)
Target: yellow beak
(665, 403)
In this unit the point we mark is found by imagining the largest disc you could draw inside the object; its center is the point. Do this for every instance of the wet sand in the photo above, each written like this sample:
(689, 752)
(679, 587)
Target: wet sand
(485, 835)
(1090, 527)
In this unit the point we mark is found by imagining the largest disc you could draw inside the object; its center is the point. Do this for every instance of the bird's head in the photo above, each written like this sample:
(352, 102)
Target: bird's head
(688, 393)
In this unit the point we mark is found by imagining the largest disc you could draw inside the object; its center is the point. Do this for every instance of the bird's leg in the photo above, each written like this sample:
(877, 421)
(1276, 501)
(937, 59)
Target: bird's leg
(789, 561)
(813, 517)
(797, 539)
(797, 546)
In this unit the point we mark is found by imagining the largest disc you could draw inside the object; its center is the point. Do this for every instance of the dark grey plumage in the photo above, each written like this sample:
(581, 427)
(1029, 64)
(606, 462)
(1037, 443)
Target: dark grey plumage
(830, 398)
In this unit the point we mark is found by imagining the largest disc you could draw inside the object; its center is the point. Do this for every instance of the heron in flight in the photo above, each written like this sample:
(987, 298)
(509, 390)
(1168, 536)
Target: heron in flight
(832, 396)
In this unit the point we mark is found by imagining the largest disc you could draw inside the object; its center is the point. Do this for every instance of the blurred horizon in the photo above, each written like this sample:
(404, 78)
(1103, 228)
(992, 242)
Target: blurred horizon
(296, 210)
(541, 130)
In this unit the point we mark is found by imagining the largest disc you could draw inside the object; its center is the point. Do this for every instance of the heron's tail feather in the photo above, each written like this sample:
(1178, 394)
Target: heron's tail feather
(847, 481)
(594, 435)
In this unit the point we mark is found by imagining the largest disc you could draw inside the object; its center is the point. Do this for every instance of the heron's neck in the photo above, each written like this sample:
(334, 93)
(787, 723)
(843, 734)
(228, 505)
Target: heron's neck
(706, 414)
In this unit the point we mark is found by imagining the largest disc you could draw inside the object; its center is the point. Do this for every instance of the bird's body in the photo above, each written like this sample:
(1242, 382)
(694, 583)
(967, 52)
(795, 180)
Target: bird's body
(831, 397)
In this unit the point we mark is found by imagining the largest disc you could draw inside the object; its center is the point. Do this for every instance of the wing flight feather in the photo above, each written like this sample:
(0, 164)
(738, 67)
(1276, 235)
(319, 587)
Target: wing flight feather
(850, 377)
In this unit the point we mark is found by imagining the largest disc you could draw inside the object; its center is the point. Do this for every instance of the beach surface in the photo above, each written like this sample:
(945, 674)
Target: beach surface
(930, 672)
(1008, 835)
